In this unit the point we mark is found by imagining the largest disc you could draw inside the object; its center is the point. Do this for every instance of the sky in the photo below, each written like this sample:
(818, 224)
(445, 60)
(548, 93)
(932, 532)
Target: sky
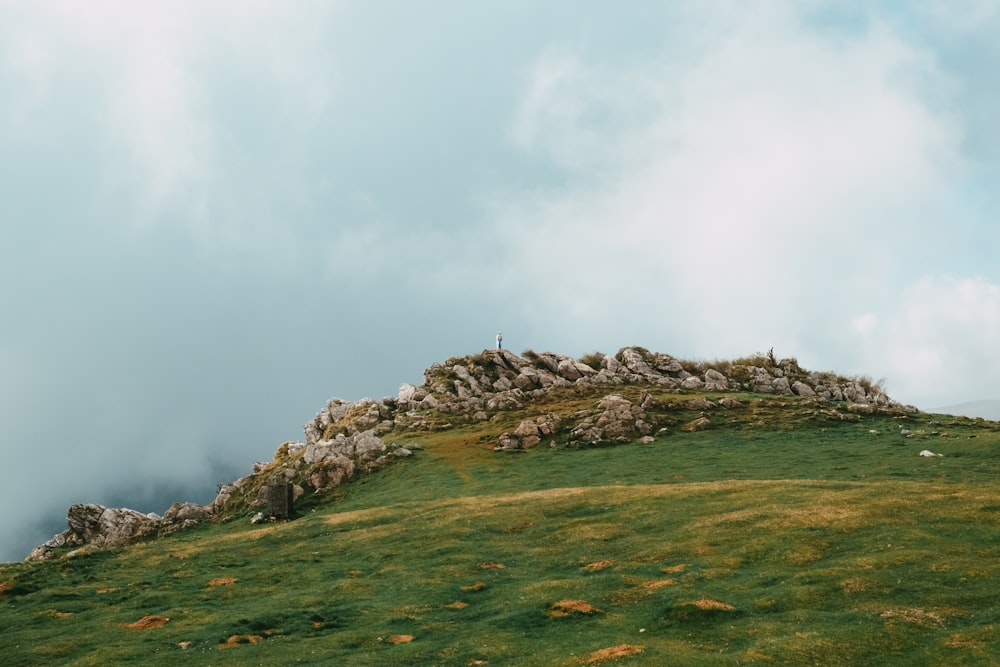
(216, 216)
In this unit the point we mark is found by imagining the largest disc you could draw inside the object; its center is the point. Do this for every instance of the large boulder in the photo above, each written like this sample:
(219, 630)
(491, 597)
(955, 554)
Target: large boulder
(715, 381)
(99, 527)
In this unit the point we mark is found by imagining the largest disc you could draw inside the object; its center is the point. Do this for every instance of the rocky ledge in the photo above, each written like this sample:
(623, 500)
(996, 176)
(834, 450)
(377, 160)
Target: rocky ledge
(344, 439)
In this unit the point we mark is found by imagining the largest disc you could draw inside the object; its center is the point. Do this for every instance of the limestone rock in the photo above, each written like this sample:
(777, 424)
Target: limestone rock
(99, 527)
(699, 424)
(802, 389)
(715, 381)
(616, 419)
(693, 383)
(184, 512)
(529, 432)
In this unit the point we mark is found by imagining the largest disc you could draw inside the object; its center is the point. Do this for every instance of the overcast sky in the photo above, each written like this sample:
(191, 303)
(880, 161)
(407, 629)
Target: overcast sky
(214, 216)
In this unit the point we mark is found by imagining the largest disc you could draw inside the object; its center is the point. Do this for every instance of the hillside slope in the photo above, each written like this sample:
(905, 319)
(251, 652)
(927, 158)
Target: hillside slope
(787, 529)
(515, 401)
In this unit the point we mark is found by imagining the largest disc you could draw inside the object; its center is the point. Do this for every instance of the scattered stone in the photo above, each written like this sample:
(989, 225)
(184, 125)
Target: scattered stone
(699, 424)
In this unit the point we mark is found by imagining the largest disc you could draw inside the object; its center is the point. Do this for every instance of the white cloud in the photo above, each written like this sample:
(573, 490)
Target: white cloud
(939, 341)
(774, 191)
(148, 78)
(866, 323)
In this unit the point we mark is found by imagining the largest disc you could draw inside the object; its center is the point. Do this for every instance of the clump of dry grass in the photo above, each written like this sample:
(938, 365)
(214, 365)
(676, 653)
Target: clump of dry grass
(478, 586)
(712, 605)
(916, 616)
(569, 607)
(146, 623)
(237, 640)
(222, 581)
(599, 565)
(613, 653)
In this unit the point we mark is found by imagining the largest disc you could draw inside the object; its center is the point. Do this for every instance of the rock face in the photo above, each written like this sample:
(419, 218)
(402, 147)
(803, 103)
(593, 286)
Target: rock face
(344, 439)
(100, 527)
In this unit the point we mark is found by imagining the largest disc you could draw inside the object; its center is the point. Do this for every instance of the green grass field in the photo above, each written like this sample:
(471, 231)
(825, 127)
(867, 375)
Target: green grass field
(772, 538)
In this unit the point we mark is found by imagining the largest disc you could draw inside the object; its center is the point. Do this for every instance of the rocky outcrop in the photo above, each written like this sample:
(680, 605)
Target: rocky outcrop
(97, 526)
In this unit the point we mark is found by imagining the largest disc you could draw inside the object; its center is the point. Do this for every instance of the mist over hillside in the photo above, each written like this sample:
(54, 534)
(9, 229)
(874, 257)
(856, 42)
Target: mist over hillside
(986, 409)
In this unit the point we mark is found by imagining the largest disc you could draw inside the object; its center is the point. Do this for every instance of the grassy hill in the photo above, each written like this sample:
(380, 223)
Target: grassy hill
(783, 534)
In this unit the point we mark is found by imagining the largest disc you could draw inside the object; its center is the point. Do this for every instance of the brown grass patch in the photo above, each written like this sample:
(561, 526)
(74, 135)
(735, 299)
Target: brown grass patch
(568, 607)
(104, 591)
(598, 565)
(807, 554)
(222, 581)
(659, 583)
(457, 604)
(613, 653)
(60, 614)
(5, 586)
(963, 641)
(401, 639)
(478, 586)
(853, 585)
(674, 569)
(753, 655)
(359, 515)
(596, 532)
(817, 514)
(237, 640)
(491, 566)
(146, 623)
(917, 616)
(713, 605)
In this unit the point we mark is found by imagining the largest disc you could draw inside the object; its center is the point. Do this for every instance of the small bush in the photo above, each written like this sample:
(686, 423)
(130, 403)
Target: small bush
(594, 360)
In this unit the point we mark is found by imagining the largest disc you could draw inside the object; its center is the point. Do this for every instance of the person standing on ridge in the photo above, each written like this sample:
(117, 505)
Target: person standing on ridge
(499, 340)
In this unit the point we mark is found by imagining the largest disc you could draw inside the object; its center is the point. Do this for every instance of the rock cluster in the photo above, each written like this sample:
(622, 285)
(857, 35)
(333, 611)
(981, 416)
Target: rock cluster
(477, 388)
(96, 526)
(498, 380)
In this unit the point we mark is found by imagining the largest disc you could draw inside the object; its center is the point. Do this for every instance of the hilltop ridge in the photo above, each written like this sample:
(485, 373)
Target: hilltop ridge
(517, 402)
